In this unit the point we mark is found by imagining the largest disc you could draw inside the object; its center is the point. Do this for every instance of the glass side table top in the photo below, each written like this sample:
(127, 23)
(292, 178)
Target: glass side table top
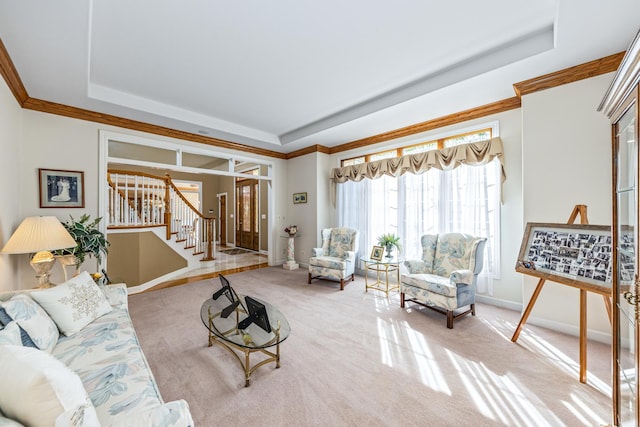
(227, 329)
(383, 261)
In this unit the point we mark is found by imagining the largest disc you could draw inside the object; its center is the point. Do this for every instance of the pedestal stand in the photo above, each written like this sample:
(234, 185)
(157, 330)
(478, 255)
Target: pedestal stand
(291, 263)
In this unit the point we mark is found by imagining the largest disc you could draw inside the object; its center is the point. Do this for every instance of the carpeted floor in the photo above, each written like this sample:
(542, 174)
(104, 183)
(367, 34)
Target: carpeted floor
(356, 358)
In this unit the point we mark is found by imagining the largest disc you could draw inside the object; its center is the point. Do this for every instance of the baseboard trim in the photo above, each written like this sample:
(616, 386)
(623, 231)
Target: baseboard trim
(565, 328)
(150, 284)
(515, 306)
(573, 330)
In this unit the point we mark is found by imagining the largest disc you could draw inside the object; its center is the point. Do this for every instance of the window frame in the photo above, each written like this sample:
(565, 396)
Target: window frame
(491, 127)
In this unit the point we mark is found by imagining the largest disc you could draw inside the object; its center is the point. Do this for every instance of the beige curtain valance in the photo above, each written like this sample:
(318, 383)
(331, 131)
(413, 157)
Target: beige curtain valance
(476, 153)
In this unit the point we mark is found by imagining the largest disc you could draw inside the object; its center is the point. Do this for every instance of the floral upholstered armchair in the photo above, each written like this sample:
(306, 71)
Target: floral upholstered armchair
(445, 278)
(336, 259)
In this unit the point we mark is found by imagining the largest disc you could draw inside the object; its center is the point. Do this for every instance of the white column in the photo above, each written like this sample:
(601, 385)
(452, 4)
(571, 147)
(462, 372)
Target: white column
(290, 264)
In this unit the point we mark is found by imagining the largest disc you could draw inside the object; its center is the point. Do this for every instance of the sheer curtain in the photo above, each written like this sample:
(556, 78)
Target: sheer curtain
(466, 199)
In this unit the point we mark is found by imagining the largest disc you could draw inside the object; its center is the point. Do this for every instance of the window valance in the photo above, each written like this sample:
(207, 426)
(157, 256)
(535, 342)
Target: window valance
(475, 153)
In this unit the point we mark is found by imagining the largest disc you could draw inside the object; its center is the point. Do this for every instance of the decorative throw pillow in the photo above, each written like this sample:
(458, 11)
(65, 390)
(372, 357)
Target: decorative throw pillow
(33, 319)
(6, 422)
(37, 388)
(5, 319)
(10, 335)
(73, 304)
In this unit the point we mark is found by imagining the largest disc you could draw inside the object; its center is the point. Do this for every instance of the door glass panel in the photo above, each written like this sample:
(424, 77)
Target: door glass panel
(124, 150)
(202, 161)
(246, 208)
(626, 152)
(250, 168)
(256, 216)
(626, 247)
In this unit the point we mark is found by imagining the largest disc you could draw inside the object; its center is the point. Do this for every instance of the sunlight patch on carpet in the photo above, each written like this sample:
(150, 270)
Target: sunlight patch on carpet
(501, 398)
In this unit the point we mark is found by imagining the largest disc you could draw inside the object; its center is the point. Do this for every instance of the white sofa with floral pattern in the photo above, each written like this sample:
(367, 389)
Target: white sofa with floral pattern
(88, 335)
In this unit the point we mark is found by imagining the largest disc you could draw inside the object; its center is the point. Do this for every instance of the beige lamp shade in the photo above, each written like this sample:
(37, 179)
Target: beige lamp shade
(39, 233)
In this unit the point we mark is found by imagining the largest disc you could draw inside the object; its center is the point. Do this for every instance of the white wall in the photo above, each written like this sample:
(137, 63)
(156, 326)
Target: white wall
(303, 177)
(10, 125)
(566, 161)
(326, 211)
(55, 142)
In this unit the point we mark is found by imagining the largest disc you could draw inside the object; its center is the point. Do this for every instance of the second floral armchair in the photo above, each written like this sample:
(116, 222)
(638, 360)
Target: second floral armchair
(336, 259)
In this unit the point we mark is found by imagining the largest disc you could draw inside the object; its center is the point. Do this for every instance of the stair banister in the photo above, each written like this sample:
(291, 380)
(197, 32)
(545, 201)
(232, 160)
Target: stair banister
(138, 199)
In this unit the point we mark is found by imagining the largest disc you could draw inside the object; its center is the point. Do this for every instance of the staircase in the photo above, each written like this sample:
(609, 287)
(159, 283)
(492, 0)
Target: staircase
(140, 200)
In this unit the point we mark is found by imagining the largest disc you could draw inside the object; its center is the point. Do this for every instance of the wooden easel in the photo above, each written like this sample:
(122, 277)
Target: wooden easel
(582, 211)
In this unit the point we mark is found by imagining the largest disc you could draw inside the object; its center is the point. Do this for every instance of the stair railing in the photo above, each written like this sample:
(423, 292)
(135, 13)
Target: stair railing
(187, 223)
(137, 199)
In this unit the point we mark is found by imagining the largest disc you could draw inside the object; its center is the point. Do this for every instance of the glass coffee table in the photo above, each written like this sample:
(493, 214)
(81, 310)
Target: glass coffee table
(226, 320)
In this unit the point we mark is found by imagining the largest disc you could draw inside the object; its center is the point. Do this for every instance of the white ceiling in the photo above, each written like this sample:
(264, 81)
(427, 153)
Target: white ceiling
(286, 74)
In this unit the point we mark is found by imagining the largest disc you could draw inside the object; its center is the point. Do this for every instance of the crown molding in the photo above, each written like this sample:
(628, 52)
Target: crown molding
(92, 116)
(11, 76)
(463, 116)
(308, 150)
(568, 75)
(587, 70)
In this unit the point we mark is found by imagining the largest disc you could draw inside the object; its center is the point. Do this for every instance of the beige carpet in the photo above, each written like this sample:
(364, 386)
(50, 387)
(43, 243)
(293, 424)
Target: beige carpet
(356, 358)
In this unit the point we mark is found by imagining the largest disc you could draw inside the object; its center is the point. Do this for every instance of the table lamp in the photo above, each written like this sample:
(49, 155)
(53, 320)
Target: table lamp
(40, 235)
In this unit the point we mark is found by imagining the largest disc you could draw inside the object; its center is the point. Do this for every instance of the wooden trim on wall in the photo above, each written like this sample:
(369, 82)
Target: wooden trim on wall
(587, 70)
(463, 116)
(311, 149)
(11, 76)
(568, 75)
(92, 116)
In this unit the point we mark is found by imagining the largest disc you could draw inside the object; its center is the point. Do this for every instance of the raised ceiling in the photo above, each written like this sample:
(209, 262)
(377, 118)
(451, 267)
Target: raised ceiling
(285, 74)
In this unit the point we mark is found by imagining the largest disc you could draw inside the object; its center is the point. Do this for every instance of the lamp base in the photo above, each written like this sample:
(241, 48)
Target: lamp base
(42, 262)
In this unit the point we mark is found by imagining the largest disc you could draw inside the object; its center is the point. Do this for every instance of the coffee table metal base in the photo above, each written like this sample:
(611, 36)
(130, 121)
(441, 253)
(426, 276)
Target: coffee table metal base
(246, 364)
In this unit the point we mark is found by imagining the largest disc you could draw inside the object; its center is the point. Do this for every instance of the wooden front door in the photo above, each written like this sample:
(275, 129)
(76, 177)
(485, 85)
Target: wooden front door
(247, 214)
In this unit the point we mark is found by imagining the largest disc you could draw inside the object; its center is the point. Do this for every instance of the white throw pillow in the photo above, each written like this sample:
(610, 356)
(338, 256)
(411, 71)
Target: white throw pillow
(10, 335)
(73, 304)
(6, 422)
(36, 389)
(34, 320)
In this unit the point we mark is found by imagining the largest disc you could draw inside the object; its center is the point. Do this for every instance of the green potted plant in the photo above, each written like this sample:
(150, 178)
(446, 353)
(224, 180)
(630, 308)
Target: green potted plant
(90, 240)
(389, 241)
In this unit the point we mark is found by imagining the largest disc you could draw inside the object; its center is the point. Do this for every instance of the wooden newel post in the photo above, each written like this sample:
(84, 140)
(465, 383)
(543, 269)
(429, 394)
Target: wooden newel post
(209, 224)
(167, 205)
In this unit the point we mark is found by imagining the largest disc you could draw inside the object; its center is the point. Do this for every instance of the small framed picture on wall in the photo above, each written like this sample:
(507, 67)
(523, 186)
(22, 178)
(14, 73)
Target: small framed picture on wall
(299, 198)
(61, 188)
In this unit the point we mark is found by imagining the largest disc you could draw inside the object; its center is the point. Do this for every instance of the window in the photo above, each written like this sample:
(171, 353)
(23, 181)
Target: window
(465, 199)
(464, 138)
(468, 138)
(355, 161)
(421, 148)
